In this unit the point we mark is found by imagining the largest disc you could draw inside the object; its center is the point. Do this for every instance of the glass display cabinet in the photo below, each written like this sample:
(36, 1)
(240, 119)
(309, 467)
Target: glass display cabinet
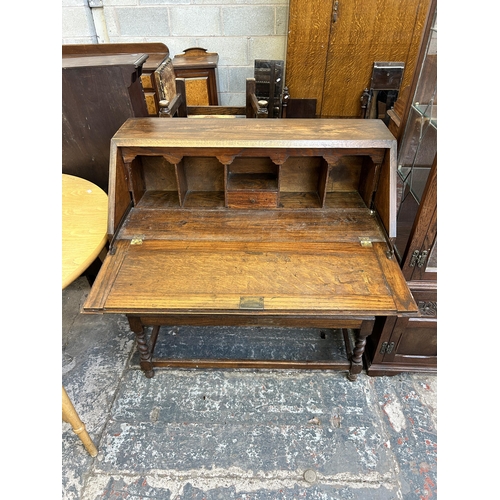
(410, 344)
(417, 155)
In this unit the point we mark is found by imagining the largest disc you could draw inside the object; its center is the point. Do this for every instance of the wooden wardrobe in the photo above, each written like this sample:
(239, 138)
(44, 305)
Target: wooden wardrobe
(332, 45)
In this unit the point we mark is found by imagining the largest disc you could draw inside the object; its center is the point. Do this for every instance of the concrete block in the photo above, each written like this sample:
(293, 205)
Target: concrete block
(237, 78)
(233, 51)
(267, 47)
(77, 22)
(247, 21)
(241, 2)
(223, 78)
(232, 99)
(79, 40)
(113, 27)
(142, 21)
(195, 21)
(74, 3)
(118, 3)
(281, 27)
(177, 44)
(166, 2)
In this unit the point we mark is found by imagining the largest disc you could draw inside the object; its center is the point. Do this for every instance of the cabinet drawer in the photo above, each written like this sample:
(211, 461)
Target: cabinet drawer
(426, 301)
(252, 199)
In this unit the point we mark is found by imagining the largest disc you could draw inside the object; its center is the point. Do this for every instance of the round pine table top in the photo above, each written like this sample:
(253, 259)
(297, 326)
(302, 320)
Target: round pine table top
(84, 225)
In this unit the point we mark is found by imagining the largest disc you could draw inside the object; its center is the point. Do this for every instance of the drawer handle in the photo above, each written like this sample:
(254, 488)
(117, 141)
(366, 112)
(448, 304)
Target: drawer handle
(253, 200)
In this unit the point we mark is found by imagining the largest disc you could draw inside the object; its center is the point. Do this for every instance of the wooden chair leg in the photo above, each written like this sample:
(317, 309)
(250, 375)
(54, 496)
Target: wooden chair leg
(70, 416)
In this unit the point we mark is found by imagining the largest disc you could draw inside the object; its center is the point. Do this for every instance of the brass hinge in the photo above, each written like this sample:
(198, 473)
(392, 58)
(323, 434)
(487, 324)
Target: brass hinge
(365, 241)
(387, 348)
(137, 239)
(418, 258)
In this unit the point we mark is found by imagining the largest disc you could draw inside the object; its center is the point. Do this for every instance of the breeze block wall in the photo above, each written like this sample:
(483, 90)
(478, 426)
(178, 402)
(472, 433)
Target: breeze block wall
(240, 31)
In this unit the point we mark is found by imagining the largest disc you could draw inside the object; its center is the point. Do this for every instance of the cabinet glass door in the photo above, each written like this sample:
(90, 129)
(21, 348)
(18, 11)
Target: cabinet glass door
(416, 157)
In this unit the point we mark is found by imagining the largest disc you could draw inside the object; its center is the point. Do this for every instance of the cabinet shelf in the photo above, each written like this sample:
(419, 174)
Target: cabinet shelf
(427, 112)
(247, 179)
(168, 200)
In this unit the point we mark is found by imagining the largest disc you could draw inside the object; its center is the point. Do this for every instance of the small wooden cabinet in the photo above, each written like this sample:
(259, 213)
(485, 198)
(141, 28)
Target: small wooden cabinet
(252, 223)
(199, 68)
(156, 53)
(410, 344)
(99, 93)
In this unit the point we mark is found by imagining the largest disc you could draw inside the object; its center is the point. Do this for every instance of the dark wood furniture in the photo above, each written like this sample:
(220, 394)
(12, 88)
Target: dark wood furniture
(199, 68)
(332, 45)
(269, 84)
(251, 223)
(173, 98)
(157, 54)
(176, 104)
(98, 94)
(381, 94)
(410, 344)
(297, 108)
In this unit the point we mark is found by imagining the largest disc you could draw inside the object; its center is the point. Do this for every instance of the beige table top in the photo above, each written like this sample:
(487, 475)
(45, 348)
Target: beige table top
(84, 225)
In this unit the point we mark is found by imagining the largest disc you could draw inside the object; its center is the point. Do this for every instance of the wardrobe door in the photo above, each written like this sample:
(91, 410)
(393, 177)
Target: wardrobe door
(307, 48)
(333, 44)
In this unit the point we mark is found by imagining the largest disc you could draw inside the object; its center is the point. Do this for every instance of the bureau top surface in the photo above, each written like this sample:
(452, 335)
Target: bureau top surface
(91, 60)
(156, 51)
(254, 133)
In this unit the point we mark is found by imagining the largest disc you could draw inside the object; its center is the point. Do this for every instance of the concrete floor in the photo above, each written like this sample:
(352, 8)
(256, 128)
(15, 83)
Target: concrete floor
(238, 434)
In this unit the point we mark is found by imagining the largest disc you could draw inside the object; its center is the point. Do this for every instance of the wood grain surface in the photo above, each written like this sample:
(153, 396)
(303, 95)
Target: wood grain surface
(311, 278)
(84, 219)
(330, 52)
(258, 134)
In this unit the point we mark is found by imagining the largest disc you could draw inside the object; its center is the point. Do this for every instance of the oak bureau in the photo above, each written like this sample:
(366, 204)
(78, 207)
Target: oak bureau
(276, 223)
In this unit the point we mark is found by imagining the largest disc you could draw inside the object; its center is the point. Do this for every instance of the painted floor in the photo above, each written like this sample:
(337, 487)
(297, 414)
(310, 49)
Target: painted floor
(238, 434)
